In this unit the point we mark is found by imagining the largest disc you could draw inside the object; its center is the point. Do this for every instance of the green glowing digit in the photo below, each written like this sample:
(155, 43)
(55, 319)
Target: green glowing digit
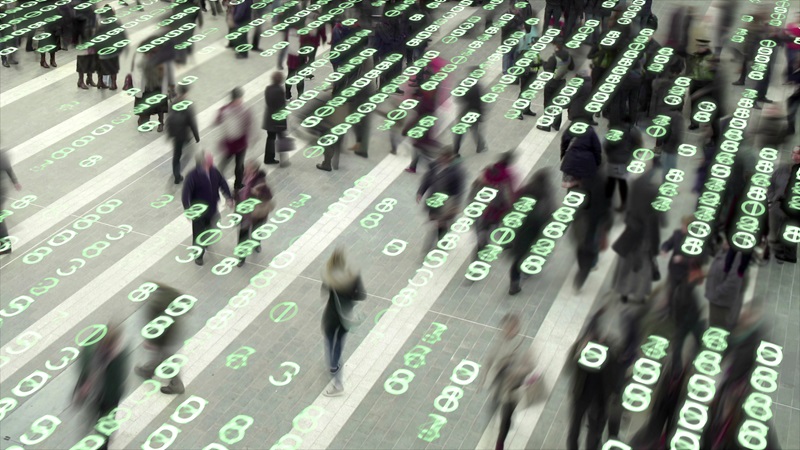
(209, 237)
(19, 304)
(237, 427)
(110, 423)
(170, 367)
(238, 359)
(716, 339)
(758, 406)
(707, 363)
(266, 275)
(279, 312)
(655, 347)
(95, 333)
(288, 374)
(401, 377)
(753, 435)
(195, 211)
(91, 442)
(415, 358)
(430, 431)
(157, 327)
(636, 398)
(44, 426)
(593, 356)
(306, 414)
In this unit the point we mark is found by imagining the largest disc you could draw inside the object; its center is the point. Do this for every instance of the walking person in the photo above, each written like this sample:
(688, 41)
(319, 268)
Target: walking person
(236, 121)
(779, 197)
(166, 344)
(540, 189)
(5, 166)
(509, 367)
(442, 188)
(155, 79)
(101, 383)
(203, 186)
(344, 287)
(638, 245)
(724, 292)
(619, 152)
(500, 177)
(255, 187)
(180, 124)
(471, 104)
(275, 126)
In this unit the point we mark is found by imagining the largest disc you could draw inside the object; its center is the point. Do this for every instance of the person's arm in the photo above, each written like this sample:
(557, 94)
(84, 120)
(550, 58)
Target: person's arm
(188, 187)
(193, 124)
(359, 293)
(223, 186)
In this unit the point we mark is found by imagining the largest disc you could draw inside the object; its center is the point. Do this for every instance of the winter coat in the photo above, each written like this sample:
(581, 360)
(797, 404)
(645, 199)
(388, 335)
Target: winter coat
(535, 220)
(581, 155)
(723, 289)
(349, 288)
(674, 138)
(447, 180)
(235, 121)
(109, 376)
(771, 132)
(157, 305)
(642, 226)
(509, 365)
(201, 187)
(182, 125)
(256, 188)
(275, 99)
(497, 176)
(621, 151)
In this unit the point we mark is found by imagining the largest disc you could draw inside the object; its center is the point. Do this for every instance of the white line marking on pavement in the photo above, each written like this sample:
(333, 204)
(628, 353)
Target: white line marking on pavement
(33, 146)
(372, 358)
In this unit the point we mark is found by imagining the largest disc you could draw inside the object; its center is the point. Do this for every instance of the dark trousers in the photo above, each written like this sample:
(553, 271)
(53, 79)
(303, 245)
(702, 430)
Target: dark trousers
(238, 169)
(200, 225)
(246, 230)
(555, 13)
(683, 329)
(743, 263)
(361, 130)
(623, 189)
(269, 150)
(256, 37)
(216, 8)
(300, 86)
(332, 155)
(334, 343)
(694, 87)
(177, 153)
(592, 405)
(475, 129)
(588, 254)
(506, 412)
(792, 104)
(3, 232)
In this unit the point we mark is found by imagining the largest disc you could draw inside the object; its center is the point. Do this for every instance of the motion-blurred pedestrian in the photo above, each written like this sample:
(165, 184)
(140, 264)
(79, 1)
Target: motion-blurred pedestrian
(181, 127)
(164, 344)
(236, 122)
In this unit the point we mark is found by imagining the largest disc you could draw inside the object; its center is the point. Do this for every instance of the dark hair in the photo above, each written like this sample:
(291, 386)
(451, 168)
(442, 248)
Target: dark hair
(237, 93)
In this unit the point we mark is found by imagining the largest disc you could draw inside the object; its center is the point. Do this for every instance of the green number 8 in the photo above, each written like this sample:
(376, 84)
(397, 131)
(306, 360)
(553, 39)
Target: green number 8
(170, 367)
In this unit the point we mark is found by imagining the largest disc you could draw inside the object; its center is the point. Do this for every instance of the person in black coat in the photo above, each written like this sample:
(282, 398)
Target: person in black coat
(101, 383)
(275, 98)
(445, 176)
(181, 126)
(162, 346)
(344, 288)
(539, 189)
(471, 103)
(591, 226)
(552, 13)
(202, 187)
(581, 156)
(618, 147)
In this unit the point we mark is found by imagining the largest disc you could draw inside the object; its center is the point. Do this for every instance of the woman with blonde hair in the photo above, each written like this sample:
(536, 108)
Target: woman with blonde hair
(344, 289)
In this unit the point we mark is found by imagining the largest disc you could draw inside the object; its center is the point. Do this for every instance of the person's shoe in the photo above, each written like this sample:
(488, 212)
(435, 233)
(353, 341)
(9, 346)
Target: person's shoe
(256, 49)
(620, 208)
(199, 261)
(543, 128)
(101, 85)
(514, 289)
(90, 82)
(393, 151)
(6, 251)
(53, 62)
(694, 126)
(624, 299)
(169, 390)
(160, 128)
(178, 179)
(520, 117)
(764, 100)
(481, 150)
(82, 85)
(13, 61)
(363, 155)
(285, 163)
(272, 161)
(528, 112)
(334, 391)
(324, 167)
(738, 83)
(258, 249)
(355, 148)
(143, 373)
(241, 263)
(411, 170)
(5, 64)
(43, 63)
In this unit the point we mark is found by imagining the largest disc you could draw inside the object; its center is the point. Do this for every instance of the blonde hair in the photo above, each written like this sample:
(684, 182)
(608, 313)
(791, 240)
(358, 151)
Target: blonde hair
(337, 261)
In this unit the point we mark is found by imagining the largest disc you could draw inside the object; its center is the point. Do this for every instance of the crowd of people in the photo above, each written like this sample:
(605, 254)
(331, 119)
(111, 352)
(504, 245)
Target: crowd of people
(595, 162)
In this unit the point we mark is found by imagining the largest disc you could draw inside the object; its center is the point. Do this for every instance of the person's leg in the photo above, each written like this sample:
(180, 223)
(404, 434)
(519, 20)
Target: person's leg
(669, 161)
(623, 192)
(256, 38)
(239, 170)
(597, 422)
(506, 412)
(177, 152)
(457, 138)
(326, 163)
(579, 407)
(792, 105)
(515, 274)
(269, 150)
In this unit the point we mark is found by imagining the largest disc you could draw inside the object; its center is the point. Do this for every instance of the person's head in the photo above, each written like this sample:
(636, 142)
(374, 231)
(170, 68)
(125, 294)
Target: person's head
(337, 261)
(511, 325)
(277, 77)
(796, 154)
(507, 158)
(236, 95)
(205, 160)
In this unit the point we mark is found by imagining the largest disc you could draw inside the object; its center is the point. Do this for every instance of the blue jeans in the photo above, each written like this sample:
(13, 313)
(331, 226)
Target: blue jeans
(334, 343)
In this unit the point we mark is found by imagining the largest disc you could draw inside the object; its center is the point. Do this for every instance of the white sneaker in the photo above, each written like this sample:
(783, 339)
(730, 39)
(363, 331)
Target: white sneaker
(334, 391)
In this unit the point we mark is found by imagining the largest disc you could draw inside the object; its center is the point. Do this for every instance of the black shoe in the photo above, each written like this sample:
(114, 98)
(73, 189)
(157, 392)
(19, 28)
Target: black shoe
(169, 390)
(514, 289)
(694, 126)
(257, 50)
(738, 83)
(199, 261)
(543, 128)
(258, 249)
(481, 150)
(765, 100)
(5, 64)
(272, 161)
(528, 112)
(241, 263)
(6, 252)
(363, 155)
(324, 167)
(624, 299)
(178, 179)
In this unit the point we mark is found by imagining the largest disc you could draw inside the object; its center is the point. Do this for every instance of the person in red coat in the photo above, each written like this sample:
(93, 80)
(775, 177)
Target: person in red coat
(236, 122)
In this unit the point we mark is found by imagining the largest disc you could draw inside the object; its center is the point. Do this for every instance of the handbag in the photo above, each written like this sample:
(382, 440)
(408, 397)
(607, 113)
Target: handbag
(285, 144)
(128, 85)
(263, 209)
(347, 322)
